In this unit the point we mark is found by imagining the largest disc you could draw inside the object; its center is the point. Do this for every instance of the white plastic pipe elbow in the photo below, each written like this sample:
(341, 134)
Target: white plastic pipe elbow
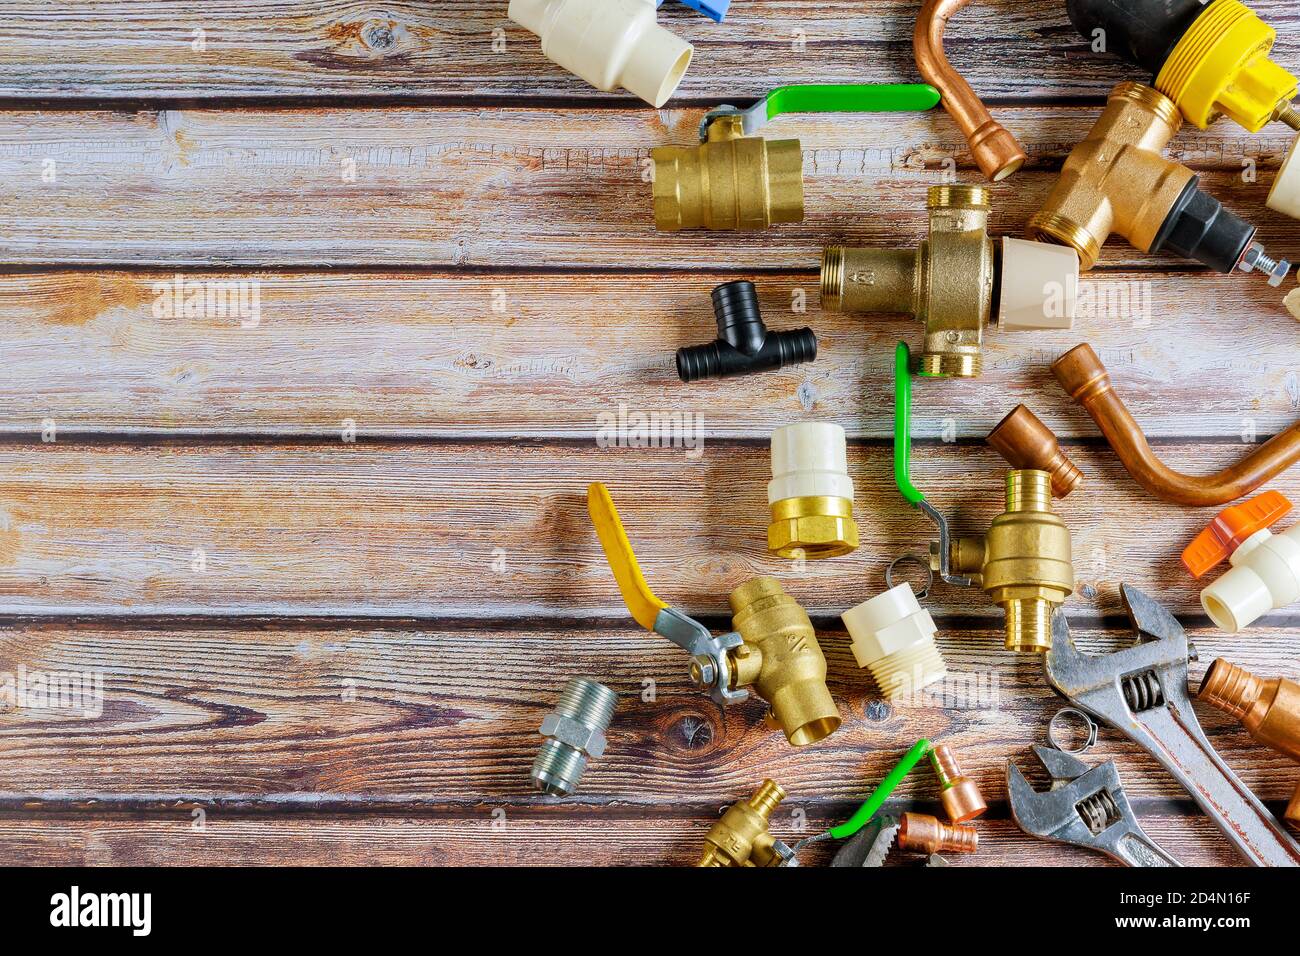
(1265, 577)
(609, 43)
(893, 637)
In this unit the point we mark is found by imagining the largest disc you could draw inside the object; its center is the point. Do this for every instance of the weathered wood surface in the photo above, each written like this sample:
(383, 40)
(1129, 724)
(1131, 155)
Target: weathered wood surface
(465, 356)
(340, 651)
(501, 530)
(308, 715)
(89, 49)
(519, 188)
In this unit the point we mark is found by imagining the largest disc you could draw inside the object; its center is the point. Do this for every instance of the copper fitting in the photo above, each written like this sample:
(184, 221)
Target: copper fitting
(922, 833)
(1029, 445)
(1086, 380)
(996, 151)
(1268, 709)
(959, 794)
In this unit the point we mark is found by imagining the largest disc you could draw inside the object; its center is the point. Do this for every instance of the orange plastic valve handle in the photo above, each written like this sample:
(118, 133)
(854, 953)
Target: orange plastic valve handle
(1231, 528)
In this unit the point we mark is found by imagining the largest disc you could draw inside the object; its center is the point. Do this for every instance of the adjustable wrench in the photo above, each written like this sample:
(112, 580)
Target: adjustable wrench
(1141, 691)
(1086, 807)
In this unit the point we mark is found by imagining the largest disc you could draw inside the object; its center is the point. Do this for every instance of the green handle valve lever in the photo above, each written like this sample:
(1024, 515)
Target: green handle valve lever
(903, 462)
(829, 98)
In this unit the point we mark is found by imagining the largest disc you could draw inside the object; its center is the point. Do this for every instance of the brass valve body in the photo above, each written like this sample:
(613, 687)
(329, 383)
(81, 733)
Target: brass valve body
(1024, 563)
(1268, 709)
(922, 833)
(731, 181)
(742, 838)
(959, 794)
(1117, 180)
(947, 282)
(782, 661)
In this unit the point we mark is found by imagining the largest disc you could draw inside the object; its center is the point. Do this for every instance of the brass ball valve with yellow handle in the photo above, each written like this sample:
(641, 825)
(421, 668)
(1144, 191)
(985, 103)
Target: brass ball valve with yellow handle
(956, 282)
(772, 650)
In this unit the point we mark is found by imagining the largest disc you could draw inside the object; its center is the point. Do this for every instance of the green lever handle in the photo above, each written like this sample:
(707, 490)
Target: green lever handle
(852, 98)
(903, 426)
(882, 792)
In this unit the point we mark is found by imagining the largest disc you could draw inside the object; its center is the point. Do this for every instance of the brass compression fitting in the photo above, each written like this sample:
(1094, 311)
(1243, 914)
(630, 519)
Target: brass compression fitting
(952, 281)
(1268, 709)
(742, 838)
(1024, 563)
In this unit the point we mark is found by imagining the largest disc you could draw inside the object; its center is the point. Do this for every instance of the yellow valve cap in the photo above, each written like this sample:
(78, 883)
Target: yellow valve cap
(640, 600)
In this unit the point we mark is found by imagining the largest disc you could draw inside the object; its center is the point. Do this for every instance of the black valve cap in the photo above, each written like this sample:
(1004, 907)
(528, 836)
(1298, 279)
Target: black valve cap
(1200, 228)
(1143, 32)
(744, 344)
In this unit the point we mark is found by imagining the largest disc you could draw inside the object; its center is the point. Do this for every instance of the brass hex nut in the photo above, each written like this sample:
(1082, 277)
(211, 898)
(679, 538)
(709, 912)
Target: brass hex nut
(816, 536)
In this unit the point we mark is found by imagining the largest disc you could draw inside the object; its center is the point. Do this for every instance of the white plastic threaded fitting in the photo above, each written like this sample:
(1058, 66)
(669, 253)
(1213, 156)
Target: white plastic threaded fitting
(1265, 577)
(611, 44)
(809, 460)
(893, 637)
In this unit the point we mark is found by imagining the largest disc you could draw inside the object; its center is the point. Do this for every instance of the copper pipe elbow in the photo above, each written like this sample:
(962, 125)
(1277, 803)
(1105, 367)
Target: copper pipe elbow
(1086, 380)
(1029, 445)
(995, 150)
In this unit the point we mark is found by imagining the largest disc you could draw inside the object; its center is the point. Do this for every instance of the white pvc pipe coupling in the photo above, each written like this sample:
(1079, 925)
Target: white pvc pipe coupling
(1265, 577)
(893, 637)
(811, 493)
(611, 44)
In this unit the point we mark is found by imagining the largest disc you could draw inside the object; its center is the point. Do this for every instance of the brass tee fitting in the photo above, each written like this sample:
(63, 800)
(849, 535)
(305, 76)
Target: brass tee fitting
(959, 794)
(741, 837)
(1268, 709)
(781, 659)
(730, 181)
(951, 281)
(922, 833)
(1117, 181)
(1024, 563)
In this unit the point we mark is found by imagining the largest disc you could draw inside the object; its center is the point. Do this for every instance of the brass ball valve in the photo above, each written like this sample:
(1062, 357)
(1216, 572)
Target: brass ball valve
(1268, 709)
(611, 44)
(772, 650)
(741, 838)
(1265, 574)
(1024, 563)
(1117, 181)
(952, 281)
(1211, 59)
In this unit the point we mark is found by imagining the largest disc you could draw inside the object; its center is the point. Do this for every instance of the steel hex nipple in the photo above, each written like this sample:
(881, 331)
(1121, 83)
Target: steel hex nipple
(574, 732)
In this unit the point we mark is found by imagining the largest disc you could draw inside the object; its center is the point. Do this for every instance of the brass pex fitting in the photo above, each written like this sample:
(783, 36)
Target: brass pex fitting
(951, 281)
(1024, 563)
(730, 181)
(781, 659)
(1117, 181)
(1268, 709)
(742, 838)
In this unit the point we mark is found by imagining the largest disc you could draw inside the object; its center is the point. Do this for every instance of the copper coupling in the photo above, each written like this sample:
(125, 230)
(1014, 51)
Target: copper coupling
(959, 794)
(996, 151)
(1029, 445)
(1268, 709)
(921, 833)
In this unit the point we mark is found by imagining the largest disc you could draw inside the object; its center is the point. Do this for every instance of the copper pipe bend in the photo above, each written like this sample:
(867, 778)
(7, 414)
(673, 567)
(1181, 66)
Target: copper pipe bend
(996, 151)
(1085, 378)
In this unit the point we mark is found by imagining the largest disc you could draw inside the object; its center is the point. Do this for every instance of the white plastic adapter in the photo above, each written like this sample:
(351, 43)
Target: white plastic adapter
(809, 460)
(1284, 197)
(1040, 285)
(893, 637)
(1265, 577)
(609, 43)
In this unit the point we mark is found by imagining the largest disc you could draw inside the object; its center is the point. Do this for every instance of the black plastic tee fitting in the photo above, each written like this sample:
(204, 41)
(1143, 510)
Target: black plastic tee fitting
(744, 345)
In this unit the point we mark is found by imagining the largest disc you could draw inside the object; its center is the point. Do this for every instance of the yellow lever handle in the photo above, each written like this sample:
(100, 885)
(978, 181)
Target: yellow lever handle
(640, 600)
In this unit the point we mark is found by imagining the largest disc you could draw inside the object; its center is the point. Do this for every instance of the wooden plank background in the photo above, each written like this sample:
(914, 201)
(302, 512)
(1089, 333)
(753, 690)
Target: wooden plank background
(334, 564)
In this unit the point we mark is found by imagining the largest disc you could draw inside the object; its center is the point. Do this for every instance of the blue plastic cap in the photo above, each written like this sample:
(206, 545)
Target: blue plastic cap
(715, 10)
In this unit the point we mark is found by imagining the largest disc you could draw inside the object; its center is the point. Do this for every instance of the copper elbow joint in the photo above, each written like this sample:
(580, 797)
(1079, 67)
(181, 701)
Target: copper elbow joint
(782, 661)
(996, 151)
(741, 838)
(1083, 376)
(1027, 444)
